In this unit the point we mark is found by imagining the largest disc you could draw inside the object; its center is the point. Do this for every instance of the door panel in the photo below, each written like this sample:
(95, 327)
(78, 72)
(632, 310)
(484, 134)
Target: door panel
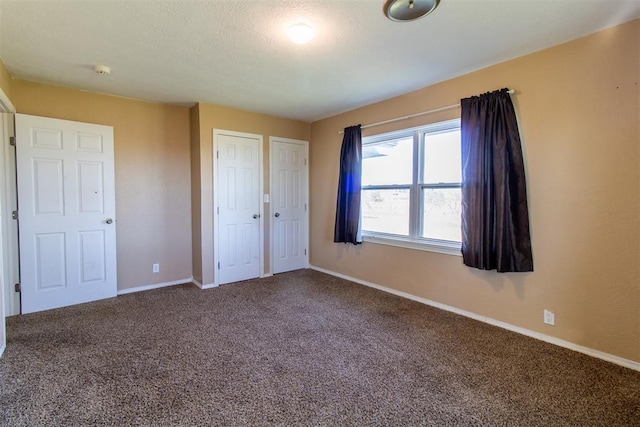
(289, 204)
(238, 210)
(92, 257)
(48, 193)
(90, 184)
(66, 195)
(50, 261)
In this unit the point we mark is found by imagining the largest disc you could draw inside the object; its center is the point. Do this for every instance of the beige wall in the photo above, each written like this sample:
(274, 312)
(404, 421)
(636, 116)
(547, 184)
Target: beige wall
(5, 80)
(578, 106)
(218, 117)
(152, 175)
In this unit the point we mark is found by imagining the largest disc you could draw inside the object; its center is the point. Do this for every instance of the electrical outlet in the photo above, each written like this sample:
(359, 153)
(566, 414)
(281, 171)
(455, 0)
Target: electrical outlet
(549, 318)
(156, 268)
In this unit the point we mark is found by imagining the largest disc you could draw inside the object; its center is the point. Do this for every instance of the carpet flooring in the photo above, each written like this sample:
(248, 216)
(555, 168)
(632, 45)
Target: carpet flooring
(300, 348)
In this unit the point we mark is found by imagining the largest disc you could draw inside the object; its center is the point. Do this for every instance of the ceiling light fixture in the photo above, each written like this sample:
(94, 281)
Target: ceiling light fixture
(408, 10)
(300, 33)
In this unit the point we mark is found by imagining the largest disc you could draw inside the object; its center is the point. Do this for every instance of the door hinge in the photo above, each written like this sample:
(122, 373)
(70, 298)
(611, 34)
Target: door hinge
(217, 154)
(218, 266)
(14, 215)
(305, 162)
(305, 207)
(305, 251)
(17, 287)
(218, 210)
(12, 140)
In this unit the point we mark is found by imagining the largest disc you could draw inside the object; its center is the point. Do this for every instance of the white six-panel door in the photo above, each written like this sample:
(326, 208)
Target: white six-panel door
(289, 198)
(237, 200)
(66, 199)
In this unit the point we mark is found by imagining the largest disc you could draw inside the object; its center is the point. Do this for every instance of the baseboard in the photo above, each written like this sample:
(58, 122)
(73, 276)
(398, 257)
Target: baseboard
(154, 286)
(542, 337)
(201, 286)
(213, 285)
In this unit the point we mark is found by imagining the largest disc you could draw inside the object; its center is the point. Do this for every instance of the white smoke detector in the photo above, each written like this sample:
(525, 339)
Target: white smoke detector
(102, 69)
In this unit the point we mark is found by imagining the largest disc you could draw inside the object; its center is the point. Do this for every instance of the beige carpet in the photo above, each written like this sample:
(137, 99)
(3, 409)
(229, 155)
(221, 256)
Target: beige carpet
(300, 348)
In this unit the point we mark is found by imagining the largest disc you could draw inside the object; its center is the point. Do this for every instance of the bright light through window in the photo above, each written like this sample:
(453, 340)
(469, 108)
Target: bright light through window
(392, 157)
(411, 183)
(441, 158)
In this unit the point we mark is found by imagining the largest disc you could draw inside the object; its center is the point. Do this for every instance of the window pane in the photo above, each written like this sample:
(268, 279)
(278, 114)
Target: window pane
(388, 162)
(441, 162)
(441, 210)
(386, 211)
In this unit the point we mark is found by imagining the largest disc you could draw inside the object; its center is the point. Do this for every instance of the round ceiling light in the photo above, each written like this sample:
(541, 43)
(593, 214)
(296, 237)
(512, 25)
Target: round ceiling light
(300, 33)
(408, 10)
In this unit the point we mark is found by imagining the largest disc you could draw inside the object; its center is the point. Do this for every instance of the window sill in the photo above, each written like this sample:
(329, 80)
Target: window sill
(429, 245)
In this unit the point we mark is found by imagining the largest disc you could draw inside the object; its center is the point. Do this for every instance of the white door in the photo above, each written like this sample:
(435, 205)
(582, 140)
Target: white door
(289, 200)
(237, 198)
(66, 200)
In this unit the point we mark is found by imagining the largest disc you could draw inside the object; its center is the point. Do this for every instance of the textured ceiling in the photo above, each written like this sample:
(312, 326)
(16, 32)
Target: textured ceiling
(236, 53)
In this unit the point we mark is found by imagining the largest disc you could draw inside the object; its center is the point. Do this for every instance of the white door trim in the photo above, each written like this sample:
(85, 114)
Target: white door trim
(5, 103)
(272, 187)
(8, 248)
(216, 132)
(9, 202)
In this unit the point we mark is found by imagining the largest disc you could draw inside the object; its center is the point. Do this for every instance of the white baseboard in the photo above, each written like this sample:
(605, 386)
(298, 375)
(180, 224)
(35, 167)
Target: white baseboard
(154, 286)
(201, 286)
(213, 285)
(552, 340)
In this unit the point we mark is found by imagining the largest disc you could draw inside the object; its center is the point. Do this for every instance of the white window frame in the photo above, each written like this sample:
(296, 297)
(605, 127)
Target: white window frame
(413, 241)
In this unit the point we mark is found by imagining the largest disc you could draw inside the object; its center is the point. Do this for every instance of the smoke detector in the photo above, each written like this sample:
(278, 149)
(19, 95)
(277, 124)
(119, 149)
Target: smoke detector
(103, 70)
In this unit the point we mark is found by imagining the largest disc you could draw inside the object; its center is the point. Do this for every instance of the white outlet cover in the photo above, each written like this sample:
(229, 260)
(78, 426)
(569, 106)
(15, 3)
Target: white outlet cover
(549, 318)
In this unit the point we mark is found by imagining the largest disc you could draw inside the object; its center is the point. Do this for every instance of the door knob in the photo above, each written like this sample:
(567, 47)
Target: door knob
(256, 216)
(109, 221)
(277, 214)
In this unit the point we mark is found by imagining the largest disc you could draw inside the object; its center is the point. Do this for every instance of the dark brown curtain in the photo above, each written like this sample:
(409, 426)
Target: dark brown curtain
(495, 216)
(347, 228)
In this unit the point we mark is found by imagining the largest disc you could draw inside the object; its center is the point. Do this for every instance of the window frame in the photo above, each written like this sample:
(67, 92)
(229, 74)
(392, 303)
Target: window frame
(416, 200)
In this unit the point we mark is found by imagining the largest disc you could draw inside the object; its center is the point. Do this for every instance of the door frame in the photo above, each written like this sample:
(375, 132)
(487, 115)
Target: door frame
(216, 197)
(8, 227)
(9, 203)
(272, 187)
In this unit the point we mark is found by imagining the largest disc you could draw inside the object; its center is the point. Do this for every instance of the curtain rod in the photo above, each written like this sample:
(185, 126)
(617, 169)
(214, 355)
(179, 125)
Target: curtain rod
(411, 116)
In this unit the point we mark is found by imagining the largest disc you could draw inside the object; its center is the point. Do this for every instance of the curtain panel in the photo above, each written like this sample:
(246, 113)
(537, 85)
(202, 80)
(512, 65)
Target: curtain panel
(495, 216)
(348, 227)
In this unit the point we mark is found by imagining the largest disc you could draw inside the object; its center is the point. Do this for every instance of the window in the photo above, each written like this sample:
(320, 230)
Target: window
(411, 187)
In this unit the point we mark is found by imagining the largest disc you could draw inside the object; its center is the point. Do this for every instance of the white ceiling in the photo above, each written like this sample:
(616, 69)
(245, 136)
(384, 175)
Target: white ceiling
(236, 53)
